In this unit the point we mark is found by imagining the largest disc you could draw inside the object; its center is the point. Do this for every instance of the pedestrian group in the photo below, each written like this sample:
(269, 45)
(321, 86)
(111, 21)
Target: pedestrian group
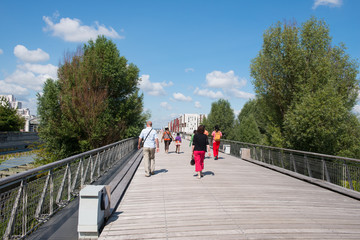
(199, 143)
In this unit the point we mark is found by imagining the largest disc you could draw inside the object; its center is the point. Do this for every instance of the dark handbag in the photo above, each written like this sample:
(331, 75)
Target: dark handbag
(192, 161)
(170, 141)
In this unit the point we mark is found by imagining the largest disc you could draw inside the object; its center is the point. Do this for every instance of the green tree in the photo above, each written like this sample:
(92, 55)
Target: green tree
(298, 66)
(95, 102)
(222, 115)
(321, 123)
(60, 137)
(247, 131)
(9, 119)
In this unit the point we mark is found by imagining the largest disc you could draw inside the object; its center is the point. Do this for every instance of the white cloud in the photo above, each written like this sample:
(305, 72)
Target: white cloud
(236, 112)
(218, 79)
(329, 3)
(48, 69)
(208, 93)
(356, 109)
(72, 30)
(181, 97)
(9, 88)
(27, 79)
(26, 55)
(153, 89)
(189, 70)
(1, 51)
(239, 94)
(166, 105)
(32, 76)
(197, 105)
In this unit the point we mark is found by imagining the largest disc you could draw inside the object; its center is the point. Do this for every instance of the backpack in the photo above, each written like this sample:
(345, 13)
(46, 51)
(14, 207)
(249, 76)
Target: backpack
(217, 136)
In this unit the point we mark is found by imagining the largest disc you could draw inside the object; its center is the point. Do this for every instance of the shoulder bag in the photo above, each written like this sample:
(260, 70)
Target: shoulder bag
(143, 141)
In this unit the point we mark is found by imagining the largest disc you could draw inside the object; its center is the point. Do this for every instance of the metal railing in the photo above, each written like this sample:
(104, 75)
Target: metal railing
(341, 171)
(27, 199)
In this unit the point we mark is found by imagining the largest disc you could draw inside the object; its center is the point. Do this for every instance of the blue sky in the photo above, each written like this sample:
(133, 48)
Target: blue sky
(190, 53)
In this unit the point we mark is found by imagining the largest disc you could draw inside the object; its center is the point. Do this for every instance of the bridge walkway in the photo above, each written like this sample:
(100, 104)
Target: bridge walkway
(234, 200)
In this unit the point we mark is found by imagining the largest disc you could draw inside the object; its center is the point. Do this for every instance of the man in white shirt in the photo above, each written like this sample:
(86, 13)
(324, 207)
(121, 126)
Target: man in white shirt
(151, 140)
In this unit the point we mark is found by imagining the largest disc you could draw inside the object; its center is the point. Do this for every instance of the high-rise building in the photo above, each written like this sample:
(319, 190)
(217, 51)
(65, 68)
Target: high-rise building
(186, 123)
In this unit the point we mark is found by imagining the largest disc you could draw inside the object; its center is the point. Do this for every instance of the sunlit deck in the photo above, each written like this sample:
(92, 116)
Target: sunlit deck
(234, 200)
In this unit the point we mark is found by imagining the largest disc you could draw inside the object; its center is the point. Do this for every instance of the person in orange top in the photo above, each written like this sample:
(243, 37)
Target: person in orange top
(216, 135)
(167, 137)
(206, 132)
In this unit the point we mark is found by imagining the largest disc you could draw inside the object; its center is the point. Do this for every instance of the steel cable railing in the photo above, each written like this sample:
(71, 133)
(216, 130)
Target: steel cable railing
(341, 171)
(29, 198)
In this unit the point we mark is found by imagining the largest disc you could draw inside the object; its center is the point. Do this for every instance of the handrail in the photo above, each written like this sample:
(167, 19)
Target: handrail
(341, 171)
(30, 172)
(298, 151)
(29, 198)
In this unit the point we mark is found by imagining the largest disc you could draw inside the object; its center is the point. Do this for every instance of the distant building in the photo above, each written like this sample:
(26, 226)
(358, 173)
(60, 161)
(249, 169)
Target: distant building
(12, 101)
(31, 121)
(186, 123)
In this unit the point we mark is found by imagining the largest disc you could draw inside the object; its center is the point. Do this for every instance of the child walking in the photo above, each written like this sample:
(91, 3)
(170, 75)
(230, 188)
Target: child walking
(178, 142)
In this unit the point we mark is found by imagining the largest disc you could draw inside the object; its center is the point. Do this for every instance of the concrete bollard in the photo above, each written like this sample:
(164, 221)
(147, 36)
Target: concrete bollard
(94, 208)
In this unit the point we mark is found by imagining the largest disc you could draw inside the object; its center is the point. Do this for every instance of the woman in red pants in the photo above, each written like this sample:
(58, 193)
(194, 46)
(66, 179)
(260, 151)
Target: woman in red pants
(216, 135)
(199, 147)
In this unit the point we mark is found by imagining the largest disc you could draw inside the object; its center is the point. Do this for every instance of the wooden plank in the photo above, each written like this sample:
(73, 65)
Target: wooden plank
(235, 199)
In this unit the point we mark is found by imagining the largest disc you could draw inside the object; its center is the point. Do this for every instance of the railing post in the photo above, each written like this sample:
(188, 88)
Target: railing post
(69, 182)
(281, 159)
(24, 210)
(99, 160)
(76, 176)
(325, 171)
(86, 171)
(91, 169)
(58, 198)
(348, 176)
(293, 161)
(11, 223)
(308, 166)
(43, 194)
(51, 182)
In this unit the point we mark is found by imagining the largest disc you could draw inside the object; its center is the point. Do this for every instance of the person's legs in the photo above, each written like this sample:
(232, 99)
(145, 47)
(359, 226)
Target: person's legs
(202, 155)
(167, 143)
(199, 161)
(152, 160)
(216, 146)
(146, 152)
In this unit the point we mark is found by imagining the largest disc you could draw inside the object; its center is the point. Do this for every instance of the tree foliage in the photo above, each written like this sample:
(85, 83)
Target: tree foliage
(247, 130)
(306, 89)
(9, 119)
(222, 115)
(94, 102)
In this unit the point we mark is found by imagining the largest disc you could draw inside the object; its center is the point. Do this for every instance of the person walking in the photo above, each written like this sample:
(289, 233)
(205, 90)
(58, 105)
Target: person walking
(192, 137)
(178, 142)
(199, 147)
(167, 138)
(205, 131)
(151, 141)
(216, 135)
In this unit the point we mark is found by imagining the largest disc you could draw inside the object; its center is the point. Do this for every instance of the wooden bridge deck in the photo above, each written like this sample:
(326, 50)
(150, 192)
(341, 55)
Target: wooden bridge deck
(234, 200)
